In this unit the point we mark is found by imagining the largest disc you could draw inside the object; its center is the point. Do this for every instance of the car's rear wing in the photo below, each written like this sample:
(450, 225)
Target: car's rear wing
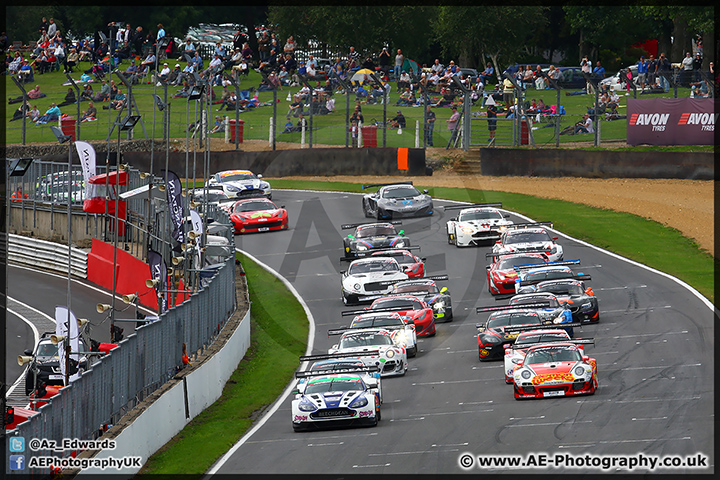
(558, 263)
(475, 205)
(372, 185)
(330, 356)
(332, 371)
(530, 224)
(576, 341)
(371, 253)
(574, 276)
(523, 328)
(407, 306)
(501, 308)
(340, 331)
(530, 250)
(348, 226)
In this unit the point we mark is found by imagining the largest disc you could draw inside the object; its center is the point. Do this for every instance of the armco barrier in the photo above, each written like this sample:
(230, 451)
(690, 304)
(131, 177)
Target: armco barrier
(47, 255)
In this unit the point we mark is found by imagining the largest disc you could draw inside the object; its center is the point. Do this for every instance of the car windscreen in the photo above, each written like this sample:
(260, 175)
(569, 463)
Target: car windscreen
(365, 340)
(400, 192)
(378, 322)
(47, 350)
(547, 275)
(254, 206)
(403, 304)
(421, 288)
(527, 237)
(334, 385)
(548, 301)
(505, 320)
(507, 263)
(375, 232)
(235, 177)
(480, 215)
(562, 288)
(372, 267)
(541, 338)
(552, 355)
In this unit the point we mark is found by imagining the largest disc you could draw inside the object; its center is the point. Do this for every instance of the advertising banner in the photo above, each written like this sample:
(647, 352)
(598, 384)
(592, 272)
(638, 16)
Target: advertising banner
(175, 203)
(86, 152)
(158, 271)
(671, 121)
(64, 319)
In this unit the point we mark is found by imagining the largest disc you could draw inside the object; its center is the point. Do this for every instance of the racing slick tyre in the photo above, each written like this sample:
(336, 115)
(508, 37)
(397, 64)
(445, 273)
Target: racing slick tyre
(349, 299)
(378, 416)
(451, 239)
(366, 209)
(412, 351)
(380, 215)
(297, 428)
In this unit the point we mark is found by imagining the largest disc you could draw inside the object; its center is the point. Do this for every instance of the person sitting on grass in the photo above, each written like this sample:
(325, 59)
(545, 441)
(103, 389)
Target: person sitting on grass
(51, 115)
(89, 114)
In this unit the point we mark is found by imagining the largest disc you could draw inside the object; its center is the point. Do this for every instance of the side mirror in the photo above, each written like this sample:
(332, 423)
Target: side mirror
(343, 272)
(498, 241)
(426, 191)
(259, 176)
(554, 238)
(282, 206)
(334, 347)
(443, 290)
(520, 364)
(585, 358)
(28, 352)
(506, 215)
(453, 219)
(424, 259)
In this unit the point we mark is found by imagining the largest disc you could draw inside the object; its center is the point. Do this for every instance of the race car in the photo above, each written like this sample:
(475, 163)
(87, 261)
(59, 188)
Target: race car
(555, 369)
(426, 289)
(476, 224)
(548, 305)
(394, 200)
(334, 400)
(44, 368)
(240, 183)
(524, 237)
(411, 309)
(366, 278)
(502, 326)
(411, 264)
(341, 363)
(372, 236)
(580, 299)
(403, 333)
(502, 272)
(253, 215)
(529, 275)
(515, 353)
(375, 347)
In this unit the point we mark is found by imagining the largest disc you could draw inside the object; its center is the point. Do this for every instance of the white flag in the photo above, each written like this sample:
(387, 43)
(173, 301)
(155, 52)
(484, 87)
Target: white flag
(196, 220)
(61, 328)
(86, 152)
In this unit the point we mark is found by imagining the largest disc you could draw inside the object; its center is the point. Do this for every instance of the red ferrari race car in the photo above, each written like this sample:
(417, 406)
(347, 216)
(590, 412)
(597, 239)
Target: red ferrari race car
(411, 309)
(502, 274)
(411, 264)
(258, 215)
(555, 369)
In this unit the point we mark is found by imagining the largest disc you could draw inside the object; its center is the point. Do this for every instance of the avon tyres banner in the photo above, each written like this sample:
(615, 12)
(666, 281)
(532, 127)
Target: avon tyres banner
(175, 203)
(671, 121)
(86, 152)
(158, 271)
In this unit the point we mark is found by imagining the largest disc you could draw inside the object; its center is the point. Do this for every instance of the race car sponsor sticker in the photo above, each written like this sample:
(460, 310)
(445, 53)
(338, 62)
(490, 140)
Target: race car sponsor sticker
(263, 229)
(555, 376)
(555, 393)
(484, 352)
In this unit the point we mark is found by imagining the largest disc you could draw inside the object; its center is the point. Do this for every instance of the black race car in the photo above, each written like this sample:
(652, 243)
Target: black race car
(45, 366)
(574, 294)
(395, 200)
(372, 236)
(426, 288)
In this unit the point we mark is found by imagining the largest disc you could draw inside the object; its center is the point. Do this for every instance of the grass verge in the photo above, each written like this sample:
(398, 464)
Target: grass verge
(279, 330)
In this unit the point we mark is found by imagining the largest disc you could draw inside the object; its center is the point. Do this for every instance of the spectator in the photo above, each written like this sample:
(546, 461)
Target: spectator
(188, 48)
(235, 59)
(288, 127)
(132, 71)
(403, 81)
(290, 64)
(117, 102)
(528, 76)
(437, 67)
(104, 93)
(149, 61)
(354, 129)
(52, 29)
(399, 60)
(697, 67)
(35, 93)
(492, 121)
(353, 58)
(87, 93)
(487, 74)
(642, 69)
(357, 115)
(289, 48)
(384, 60)
(652, 70)
(453, 126)
(197, 62)
(302, 123)
(17, 61)
(71, 60)
(584, 126)
(687, 67)
(429, 126)
(295, 107)
(22, 111)
(398, 121)
(160, 33)
(508, 89)
(51, 115)
(33, 114)
(89, 114)
(219, 125)
(185, 75)
(264, 46)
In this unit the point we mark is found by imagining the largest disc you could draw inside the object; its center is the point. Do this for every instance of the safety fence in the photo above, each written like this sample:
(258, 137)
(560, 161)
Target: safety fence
(46, 255)
(144, 361)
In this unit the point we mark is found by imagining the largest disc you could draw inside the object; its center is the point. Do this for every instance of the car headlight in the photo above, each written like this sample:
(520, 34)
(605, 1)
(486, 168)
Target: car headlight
(525, 374)
(586, 306)
(232, 188)
(264, 185)
(400, 244)
(558, 320)
(552, 249)
(401, 338)
(360, 401)
(491, 339)
(466, 230)
(306, 406)
(361, 248)
(438, 305)
(580, 371)
(390, 353)
(515, 360)
(356, 287)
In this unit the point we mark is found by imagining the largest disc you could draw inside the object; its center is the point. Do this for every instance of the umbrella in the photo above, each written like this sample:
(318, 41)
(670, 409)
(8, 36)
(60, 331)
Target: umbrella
(361, 75)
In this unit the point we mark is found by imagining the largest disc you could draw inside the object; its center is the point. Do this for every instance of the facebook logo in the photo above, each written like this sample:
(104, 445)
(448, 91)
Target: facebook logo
(17, 444)
(17, 462)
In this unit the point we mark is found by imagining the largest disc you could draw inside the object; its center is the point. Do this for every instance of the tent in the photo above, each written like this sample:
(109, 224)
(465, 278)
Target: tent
(362, 75)
(410, 66)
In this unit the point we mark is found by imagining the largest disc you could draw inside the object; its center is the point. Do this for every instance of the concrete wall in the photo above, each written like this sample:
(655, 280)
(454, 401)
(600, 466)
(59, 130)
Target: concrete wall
(596, 164)
(53, 225)
(165, 415)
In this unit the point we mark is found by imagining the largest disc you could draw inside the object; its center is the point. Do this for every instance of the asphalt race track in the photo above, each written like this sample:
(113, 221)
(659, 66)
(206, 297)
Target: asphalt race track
(654, 347)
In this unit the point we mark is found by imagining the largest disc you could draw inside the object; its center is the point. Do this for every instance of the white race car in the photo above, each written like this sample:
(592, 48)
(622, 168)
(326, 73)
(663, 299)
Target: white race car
(375, 347)
(529, 237)
(336, 399)
(476, 224)
(403, 334)
(366, 278)
(240, 183)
